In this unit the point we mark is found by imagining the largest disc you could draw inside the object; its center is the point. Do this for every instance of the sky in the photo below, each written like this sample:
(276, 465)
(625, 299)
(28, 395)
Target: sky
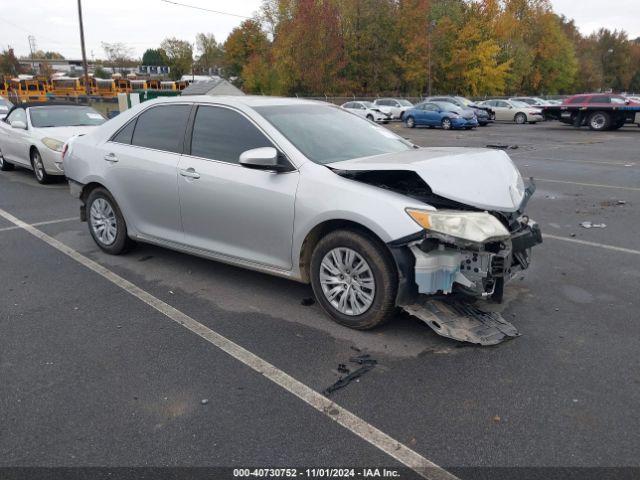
(143, 24)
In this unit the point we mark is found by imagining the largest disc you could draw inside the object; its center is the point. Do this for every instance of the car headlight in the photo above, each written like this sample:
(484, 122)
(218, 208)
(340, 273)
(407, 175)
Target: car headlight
(473, 226)
(53, 144)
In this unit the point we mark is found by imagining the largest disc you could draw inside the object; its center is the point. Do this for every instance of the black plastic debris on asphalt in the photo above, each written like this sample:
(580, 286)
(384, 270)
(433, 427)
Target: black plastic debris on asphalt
(366, 362)
(307, 302)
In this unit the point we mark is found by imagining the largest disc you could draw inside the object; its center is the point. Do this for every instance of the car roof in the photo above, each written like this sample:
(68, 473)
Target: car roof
(238, 100)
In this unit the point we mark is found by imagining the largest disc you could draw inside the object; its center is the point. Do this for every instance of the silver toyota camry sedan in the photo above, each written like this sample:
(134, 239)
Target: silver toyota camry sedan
(307, 191)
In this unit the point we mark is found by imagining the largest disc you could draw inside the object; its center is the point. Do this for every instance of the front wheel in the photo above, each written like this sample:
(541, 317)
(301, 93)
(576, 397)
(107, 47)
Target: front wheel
(370, 117)
(599, 121)
(520, 118)
(106, 223)
(354, 279)
(4, 165)
(410, 122)
(38, 168)
(446, 124)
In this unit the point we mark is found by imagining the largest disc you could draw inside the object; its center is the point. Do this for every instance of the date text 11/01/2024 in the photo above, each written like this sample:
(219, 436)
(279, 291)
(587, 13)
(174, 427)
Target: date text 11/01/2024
(316, 473)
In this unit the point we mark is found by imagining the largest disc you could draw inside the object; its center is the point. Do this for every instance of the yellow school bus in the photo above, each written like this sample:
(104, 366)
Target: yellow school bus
(139, 85)
(123, 85)
(4, 87)
(105, 88)
(66, 87)
(153, 84)
(181, 85)
(28, 90)
(168, 85)
(92, 86)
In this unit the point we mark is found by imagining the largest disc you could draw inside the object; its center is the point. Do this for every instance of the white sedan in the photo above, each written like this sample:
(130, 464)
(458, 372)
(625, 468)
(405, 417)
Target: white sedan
(33, 134)
(393, 106)
(514, 111)
(367, 110)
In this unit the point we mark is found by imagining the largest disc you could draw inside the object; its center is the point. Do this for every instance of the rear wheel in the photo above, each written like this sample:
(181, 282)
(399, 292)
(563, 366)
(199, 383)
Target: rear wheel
(354, 279)
(410, 122)
(106, 223)
(520, 118)
(446, 124)
(38, 168)
(599, 121)
(4, 165)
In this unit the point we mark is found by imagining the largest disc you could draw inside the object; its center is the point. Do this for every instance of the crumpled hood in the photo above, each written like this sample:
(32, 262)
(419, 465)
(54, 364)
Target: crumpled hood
(62, 133)
(478, 177)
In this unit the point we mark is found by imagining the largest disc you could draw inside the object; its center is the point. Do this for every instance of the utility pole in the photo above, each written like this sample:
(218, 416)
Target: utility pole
(430, 28)
(87, 86)
(32, 49)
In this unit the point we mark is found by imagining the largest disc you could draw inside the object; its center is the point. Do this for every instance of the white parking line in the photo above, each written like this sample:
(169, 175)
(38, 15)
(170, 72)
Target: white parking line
(37, 224)
(597, 185)
(592, 244)
(527, 158)
(335, 412)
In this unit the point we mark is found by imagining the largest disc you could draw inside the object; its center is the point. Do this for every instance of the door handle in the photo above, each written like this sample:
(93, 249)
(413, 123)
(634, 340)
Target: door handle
(189, 173)
(111, 157)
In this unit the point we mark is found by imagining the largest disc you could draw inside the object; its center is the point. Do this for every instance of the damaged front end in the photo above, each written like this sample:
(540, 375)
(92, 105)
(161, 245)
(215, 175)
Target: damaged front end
(462, 254)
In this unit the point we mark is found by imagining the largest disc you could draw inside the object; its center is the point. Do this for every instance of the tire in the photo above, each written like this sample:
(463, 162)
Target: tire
(107, 213)
(38, 168)
(618, 124)
(330, 261)
(410, 122)
(4, 165)
(370, 117)
(446, 124)
(520, 118)
(401, 117)
(599, 121)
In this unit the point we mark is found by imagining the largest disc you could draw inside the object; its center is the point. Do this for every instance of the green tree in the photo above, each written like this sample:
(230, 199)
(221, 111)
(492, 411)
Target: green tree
(243, 43)
(179, 56)
(210, 53)
(154, 57)
(9, 64)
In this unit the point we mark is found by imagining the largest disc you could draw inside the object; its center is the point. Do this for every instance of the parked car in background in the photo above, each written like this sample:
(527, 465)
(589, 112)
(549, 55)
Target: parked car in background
(33, 134)
(203, 174)
(514, 111)
(533, 101)
(440, 114)
(393, 106)
(367, 110)
(483, 114)
(5, 106)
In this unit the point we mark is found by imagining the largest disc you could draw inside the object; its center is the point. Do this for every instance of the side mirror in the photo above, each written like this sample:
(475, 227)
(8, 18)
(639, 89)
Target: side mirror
(265, 158)
(19, 124)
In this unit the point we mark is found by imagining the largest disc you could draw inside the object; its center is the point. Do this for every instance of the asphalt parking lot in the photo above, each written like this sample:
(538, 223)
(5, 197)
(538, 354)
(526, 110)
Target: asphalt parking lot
(92, 375)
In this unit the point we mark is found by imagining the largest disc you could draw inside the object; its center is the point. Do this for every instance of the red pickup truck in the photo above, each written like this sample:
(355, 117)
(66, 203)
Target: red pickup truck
(598, 111)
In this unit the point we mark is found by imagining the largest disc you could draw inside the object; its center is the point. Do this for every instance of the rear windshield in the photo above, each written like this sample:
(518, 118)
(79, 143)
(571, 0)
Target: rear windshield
(326, 134)
(63, 116)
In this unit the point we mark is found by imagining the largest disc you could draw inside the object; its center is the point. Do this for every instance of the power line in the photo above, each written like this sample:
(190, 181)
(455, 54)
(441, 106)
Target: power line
(204, 9)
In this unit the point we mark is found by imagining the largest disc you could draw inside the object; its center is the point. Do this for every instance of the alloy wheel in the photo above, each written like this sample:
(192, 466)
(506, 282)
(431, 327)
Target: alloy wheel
(347, 281)
(411, 122)
(446, 124)
(38, 166)
(102, 218)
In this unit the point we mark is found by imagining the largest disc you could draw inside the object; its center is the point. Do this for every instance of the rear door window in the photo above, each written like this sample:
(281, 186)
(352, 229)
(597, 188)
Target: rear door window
(162, 128)
(223, 134)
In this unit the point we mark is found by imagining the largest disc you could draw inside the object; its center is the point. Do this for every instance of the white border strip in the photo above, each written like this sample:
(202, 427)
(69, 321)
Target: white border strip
(335, 412)
(597, 185)
(592, 244)
(37, 224)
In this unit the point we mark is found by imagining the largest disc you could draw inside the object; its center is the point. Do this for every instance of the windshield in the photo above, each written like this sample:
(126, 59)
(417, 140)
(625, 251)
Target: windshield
(465, 101)
(516, 103)
(326, 134)
(405, 103)
(449, 107)
(63, 116)
(5, 105)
